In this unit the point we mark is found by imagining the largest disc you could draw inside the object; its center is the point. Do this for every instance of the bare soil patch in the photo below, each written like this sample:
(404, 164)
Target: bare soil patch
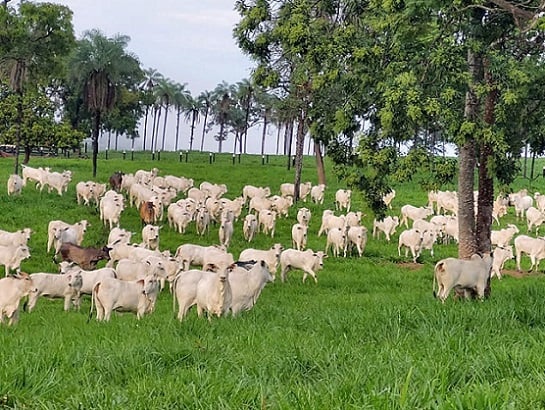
(410, 265)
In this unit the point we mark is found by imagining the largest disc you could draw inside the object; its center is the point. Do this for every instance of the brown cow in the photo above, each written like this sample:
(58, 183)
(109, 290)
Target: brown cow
(86, 258)
(147, 213)
(115, 180)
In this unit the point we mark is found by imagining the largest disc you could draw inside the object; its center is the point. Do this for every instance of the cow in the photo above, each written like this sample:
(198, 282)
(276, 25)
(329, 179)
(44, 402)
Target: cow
(270, 256)
(388, 198)
(115, 181)
(12, 290)
(12, 256)
(522, 203)
(87, 258)
(414, 213)
(54, 226)
(504, 236)
(299, 236)
(336, 238)
(354, 218)
(534, 217)
(317, 193)
(410, 239)
(137, 296)
(303, 216)
(119, 235)
(330, 221)
(150, 236)
(356, 236)
(84, 192)
(533, 247)
(250, 191)
(472, 275)
(16, 238)
(249, 228)
(308, 261)
(267, 221)
(34, 174)
(147, 213)
(246, 285)
(501, 255)
(53, 285)
(128, 269)
(225, 232)
(387, 225)
(15, 185)
(343, 198)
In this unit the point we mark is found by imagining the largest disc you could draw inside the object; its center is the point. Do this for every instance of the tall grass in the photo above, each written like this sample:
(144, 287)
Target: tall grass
(369, 335)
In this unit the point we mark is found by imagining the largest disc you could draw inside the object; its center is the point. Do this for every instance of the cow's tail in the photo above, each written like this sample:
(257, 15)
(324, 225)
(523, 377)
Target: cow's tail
(434, 278)
(93, 295)
(173, 289)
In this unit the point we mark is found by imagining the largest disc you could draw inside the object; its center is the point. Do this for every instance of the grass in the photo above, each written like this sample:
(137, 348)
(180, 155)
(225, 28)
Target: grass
(369, 335)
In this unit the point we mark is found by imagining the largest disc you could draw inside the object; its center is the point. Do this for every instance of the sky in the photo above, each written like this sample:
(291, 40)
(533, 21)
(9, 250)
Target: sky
(188, 41)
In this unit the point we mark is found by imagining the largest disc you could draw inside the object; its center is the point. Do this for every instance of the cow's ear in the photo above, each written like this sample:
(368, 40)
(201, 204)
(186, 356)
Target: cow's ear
(140, 282)
(149, 263)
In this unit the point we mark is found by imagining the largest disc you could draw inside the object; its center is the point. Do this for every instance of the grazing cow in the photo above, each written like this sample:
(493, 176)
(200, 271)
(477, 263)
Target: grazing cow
(87, 258)
(250, 227)
(270, 256)
(472, 275)
(343, 198)
(180, 184)
(317, 193)
(137, 296)
(250, 191)
(34, 174)
(16, 238)
(299, 236)
(330, 221)
(411, 239)
(356, 236)
(15, 185)
(522, 203)
(500, 256)
(147, 213)
(534, 217)
(533, 247)
(308, 261)
(128, 269)
(12, 290)
(246, 285)
(388, 198)
(336, 238)
(12, 256)
(267, 221)
(53, 285)
(387, 225)
(303, 216)
(115, 181)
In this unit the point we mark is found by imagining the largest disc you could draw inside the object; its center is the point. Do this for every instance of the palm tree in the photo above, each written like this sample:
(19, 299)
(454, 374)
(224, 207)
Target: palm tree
(100, 65)
(181, 97)
(164, 91)
(205, 102)
(152, 77)
(245, 94)
(192, 114)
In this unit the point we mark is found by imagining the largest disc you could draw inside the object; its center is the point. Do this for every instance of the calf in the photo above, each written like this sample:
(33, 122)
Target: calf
(12, 290)
(12, 256)
(504, 236)
(15, 185)
(414, 213)
(150, 236)
(111, 294)
(533, 247)
(87, 258)
(147, 213)
(343, 198)
(501, 255)
(299, 236)
(317, 193)
(115, 181)
(388, 198)
(84, 192)
(270, 256)
(336, 238)
(411, 239)
(387, 225)
(53, 285)
(303, 216)
(225, 231)
(356, 236)
(250, 227)
(469, 275)
(308, 261)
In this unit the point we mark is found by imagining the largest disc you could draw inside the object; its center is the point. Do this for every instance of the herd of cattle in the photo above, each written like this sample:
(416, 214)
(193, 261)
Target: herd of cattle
(210, 277)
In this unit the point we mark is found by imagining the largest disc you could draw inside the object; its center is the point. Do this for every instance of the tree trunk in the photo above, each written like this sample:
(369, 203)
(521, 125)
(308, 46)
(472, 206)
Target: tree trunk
(19, 124)
(96, 130)
(178, 113)
(153, 128)
(28, 151)
(220, 139)
(278, 139)
(116, 139)
(289, 138)
(145, 128)
(164, 129)
(265, 122)
(193, 121)
(299, 148)
(156, 132)
(320, 169)
(204, 129)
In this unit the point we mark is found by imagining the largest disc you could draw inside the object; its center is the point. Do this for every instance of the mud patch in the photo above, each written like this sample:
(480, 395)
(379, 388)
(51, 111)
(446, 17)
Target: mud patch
(410, 265)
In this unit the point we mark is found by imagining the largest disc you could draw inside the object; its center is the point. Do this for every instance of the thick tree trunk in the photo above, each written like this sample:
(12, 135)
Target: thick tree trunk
(18, 126)
(320, 169)
(28, 151)
(96, 130)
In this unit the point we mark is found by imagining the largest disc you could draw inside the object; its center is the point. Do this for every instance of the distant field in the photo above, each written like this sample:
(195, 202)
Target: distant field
(369, 335)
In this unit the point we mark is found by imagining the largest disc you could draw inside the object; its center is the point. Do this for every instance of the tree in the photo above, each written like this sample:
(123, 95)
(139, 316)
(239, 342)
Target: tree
(192, 112)
(100, 66)
(164, 92)
(148, 99)
(33, 41)
(205, 102)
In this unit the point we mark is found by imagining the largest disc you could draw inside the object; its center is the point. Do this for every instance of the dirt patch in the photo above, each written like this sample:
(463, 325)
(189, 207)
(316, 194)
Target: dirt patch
(410, 265)
(514, 273)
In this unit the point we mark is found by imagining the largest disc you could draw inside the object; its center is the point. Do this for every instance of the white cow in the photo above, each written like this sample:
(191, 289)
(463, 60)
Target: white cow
(12, 256)
(411, 239)
(336, 238)
(119, 235)
(249, 228)
(89, 277)
(53, 285)
(388, 198)
(190, 254)
(354, 218)
(504, 236)
(12, 290)
(267, 221)
(533, 247)
(387, 225)
(522, 203)
(299, 236)
(534, 218)
(332, 222)
(308, 261)
(129, 269)
(15, 184)
(225, 232)
(472, 274)
(317, 193)
(202, 220)
(270, 256)
(16, 238)
(138, 296)
(84, 192)
(34, 174)
(250, 191)
(246, 286)
(343, 198)
(501, 255)
(414, 213)
(356, 236)
(150, 237)
(55, 226)
(303, 216)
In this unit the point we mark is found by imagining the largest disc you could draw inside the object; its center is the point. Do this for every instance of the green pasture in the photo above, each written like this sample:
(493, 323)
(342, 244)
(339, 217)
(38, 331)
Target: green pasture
(369, 335)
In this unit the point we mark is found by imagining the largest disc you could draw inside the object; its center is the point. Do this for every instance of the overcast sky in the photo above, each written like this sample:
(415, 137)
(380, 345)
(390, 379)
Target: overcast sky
(188, 41)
